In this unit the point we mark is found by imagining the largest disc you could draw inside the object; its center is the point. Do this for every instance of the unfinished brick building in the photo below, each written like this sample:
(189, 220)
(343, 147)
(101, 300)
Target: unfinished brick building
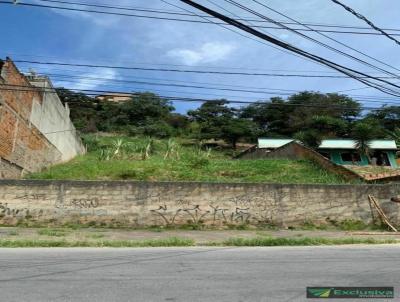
(35, 129)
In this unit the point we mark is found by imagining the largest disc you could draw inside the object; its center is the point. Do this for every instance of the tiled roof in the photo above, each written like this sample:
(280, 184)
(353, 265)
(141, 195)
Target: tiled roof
(370, 173)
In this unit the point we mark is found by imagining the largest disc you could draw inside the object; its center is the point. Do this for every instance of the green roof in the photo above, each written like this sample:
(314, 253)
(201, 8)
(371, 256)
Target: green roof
(377, 144)
(351, 144)
(273, 143)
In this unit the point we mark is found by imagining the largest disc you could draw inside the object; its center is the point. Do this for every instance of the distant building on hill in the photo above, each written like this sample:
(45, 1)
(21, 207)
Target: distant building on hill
(115, 97)
(35, 127)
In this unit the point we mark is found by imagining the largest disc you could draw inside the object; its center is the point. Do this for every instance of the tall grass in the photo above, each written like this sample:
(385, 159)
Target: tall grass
(168, 242)
(115, 158)
(304, 241)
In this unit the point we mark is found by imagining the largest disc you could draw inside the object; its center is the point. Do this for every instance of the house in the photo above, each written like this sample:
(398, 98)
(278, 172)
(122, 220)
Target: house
(115, 97)
(338, 156)
(344, 151)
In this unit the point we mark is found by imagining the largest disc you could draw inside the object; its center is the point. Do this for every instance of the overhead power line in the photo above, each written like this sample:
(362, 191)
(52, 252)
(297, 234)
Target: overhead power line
(100, 81)
(107, 82)
(223, 25)
(261, 95)
(196, 71)
(376, 83)
(312, 39)
(97, 92)
(93, 92)
(365, 19)
(324, 35)
(193, 15)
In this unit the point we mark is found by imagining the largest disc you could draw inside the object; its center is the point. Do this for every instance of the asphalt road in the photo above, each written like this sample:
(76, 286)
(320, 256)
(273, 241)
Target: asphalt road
(192, 274)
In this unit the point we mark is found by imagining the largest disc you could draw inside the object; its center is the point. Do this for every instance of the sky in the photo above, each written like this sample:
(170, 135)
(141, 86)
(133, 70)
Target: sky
(51, 35)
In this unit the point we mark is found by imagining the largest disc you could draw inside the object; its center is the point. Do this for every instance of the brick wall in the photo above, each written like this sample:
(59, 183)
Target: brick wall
(162, 203)
(23, 147)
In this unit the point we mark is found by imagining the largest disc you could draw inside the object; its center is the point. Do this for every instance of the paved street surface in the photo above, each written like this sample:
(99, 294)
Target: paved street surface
(192, 274)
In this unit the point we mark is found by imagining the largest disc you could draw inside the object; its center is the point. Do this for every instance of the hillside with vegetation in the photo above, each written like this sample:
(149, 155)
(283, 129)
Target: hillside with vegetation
(133, 158)
(152, 142)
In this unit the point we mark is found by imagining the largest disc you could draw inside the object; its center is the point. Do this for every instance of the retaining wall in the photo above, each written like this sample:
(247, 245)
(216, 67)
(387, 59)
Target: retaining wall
(163, 203)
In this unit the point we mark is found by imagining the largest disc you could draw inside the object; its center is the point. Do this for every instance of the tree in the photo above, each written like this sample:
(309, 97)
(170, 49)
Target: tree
(211, 117)
(363, 133)
(310, 138)
(285, 118)
(270, 117)
(179, 122)
(395, 134)
(218, 121)
(145, 108)
(329, 126)
(235, 129)
(83, 109)
(388, 117)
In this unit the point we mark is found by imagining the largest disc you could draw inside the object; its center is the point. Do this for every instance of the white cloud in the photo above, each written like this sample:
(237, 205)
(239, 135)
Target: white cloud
(90, 80)
(207, 53)
(96, 18)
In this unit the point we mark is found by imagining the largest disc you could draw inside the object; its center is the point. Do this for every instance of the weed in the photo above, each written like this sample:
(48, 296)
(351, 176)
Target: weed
(95, 236)
(53, 232)
(115, 158)
(168, 242)
(352, 225)
(241, 227)
(304, 241)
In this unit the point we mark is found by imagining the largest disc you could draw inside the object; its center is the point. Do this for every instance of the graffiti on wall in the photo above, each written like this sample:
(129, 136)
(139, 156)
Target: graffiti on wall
(30, 206)
(235, 210)
(144, 206)
(7, 210)
(77, 203)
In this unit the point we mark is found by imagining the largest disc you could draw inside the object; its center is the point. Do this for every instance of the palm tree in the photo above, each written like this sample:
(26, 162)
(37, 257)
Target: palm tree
(363, 133)
(395, 134)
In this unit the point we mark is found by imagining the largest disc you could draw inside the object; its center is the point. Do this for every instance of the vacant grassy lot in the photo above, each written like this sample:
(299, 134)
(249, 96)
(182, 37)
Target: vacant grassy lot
(122, 158)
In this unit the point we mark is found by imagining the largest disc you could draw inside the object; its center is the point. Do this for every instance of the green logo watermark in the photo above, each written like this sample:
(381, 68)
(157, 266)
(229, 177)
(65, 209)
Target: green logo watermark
(350, 292)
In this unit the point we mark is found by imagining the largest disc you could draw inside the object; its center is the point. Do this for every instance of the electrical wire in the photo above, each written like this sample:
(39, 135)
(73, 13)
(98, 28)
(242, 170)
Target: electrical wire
(314, 40)
(361, 17)
(191, 71)
(94, 92)
(196, 21)
(345, 70)
(324, 35)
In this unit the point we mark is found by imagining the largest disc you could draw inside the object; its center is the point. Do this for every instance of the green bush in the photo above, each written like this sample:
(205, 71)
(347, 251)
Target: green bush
(304, 241)
(352, 225)
(91, 142)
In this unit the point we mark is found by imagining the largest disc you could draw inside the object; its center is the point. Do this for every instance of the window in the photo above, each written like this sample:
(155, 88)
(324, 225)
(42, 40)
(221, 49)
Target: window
(350, 156)
(380, 158)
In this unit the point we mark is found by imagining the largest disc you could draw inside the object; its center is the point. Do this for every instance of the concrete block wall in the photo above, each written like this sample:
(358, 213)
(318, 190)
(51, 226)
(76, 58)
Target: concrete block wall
(140, 204)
